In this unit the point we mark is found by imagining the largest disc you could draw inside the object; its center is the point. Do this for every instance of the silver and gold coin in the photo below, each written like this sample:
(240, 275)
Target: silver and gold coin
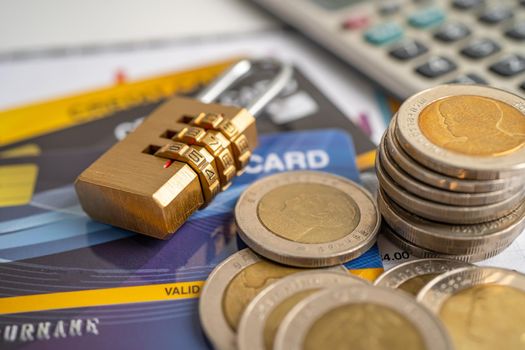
(364, 316)
(482, 307)
(442, 212)
(411, 276)
(426, 175)
(230, 288)
(452, 238)
(267, 310)
(451, 171)
(307, 219)
(465, 131)
(423, 190)
(425, 253)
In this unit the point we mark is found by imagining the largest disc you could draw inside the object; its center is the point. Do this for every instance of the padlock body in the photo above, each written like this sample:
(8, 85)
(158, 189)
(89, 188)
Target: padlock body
(136, 187)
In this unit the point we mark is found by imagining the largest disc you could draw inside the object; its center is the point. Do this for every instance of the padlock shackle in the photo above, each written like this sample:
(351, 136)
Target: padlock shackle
(233, 74)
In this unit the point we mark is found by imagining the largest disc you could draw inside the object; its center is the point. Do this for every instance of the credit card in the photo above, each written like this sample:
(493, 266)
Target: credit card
(24, 150)
(36, 119)
(300, 106)
(51, 172)
(17, 183)
(69, 282)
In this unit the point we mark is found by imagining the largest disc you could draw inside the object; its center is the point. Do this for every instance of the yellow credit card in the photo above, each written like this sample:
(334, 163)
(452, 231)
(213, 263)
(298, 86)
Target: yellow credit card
(100, 297)
(120, 295)
(26, 150)
(17, 183)
(28, 121)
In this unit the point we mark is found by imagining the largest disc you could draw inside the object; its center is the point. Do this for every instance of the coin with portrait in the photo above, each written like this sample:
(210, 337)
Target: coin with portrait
(482, 307)
(307, 218)
(473, 125)
(466, 131)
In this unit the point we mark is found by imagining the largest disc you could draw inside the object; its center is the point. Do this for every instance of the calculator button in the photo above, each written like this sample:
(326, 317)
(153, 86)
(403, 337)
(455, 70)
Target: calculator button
(480, 48)
(495, 15)
(426, 18)
(355, 22)
(436, 66)
(517, 31)
(450, 32)
(383, 33)
(469, 79)
(509, 66)
(466, 4)
(408, 49)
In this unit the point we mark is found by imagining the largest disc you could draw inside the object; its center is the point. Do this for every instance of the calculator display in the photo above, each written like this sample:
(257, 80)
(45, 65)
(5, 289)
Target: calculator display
(335, 4)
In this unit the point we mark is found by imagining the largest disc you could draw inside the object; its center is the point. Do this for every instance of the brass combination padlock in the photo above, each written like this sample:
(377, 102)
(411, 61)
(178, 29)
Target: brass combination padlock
(177, 160)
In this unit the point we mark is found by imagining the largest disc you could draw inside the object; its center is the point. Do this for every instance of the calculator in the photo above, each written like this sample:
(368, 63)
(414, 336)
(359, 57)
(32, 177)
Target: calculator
(407, 46)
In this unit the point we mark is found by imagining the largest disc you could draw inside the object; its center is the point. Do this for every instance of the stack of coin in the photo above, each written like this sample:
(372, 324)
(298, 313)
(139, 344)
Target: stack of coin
(451, 169)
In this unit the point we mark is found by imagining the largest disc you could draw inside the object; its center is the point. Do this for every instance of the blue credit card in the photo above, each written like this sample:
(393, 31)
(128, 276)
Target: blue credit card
(60, 225)
(61, 250)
